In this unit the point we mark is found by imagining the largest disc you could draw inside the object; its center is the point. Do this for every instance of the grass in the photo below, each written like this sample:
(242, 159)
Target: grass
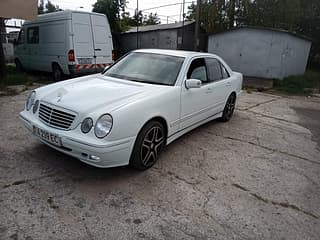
(14, 77)
(300, 84)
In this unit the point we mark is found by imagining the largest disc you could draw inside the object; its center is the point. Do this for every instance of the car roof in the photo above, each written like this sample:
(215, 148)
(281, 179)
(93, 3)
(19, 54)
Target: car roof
(177, 53)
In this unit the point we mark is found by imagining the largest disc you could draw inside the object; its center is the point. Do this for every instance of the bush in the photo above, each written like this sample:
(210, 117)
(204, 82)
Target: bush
(14, 77)
(300, 84)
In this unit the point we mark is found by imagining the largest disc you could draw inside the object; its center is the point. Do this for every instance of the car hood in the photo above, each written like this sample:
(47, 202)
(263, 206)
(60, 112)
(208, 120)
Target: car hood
(89, 94)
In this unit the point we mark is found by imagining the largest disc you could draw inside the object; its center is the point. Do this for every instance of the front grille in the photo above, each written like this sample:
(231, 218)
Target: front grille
(55, 118)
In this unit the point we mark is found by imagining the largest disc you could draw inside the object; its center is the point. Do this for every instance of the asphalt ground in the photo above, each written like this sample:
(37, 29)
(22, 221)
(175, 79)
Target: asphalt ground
(255, 177)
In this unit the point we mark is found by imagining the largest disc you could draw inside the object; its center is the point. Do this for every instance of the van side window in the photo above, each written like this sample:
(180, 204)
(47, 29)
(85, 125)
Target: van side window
(33, 35)
(21, 37)
(197, 70)
(214, 69)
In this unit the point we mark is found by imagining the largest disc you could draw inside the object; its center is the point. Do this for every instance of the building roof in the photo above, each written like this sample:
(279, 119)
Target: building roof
(159, 27)
(265, 29)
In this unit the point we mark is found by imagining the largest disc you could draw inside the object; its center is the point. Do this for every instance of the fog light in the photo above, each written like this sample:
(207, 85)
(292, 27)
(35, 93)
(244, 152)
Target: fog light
(95, 158)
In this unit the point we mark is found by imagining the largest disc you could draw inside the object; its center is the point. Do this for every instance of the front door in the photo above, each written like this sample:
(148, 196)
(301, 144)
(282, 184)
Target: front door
(196, 103)
(32, 58)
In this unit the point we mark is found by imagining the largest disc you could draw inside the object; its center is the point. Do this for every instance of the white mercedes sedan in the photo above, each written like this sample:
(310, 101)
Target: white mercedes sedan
(129, 112)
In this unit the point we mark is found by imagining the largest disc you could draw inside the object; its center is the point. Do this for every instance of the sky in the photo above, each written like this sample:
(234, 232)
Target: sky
(168, 14)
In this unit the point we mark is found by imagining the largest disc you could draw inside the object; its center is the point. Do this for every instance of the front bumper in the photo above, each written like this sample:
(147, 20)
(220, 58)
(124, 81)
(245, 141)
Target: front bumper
(104, 155)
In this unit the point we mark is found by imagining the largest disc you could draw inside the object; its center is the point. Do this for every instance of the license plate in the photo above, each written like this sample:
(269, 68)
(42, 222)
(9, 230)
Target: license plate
(47, 136)
(85, 60)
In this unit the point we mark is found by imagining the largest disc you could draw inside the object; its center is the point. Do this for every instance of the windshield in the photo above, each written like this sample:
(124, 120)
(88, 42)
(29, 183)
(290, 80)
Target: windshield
(147, 68)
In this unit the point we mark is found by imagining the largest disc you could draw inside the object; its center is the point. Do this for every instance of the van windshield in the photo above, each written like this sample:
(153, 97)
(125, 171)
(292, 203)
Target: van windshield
(147, 68)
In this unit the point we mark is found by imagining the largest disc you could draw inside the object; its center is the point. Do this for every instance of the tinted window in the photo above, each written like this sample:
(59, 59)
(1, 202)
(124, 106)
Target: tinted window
(147, 68)
(33, 35)
(197, 70)
(214, 69)
(225, 73)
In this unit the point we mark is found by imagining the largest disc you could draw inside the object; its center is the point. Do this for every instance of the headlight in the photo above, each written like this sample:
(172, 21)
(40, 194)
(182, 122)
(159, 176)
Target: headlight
(86, 125)
(30, 100)
(103, 126)
(35, 107)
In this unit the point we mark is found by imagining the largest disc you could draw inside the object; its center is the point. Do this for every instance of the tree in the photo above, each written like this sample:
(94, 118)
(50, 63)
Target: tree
(48, 7)
(298, 16)
(51, 7)
(112, 9)
(151, 19)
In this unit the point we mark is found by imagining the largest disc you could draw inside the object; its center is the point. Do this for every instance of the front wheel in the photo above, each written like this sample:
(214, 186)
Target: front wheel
(148, 146)
(229, 108)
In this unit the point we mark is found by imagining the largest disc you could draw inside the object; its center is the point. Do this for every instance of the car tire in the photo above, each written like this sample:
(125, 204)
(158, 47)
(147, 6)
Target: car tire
(229, 108)
(148, 145)
(19, 66)
(57, 72)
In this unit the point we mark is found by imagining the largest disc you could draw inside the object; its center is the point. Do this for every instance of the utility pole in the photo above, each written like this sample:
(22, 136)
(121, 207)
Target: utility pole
(2, 60)
(197, 27)
(137, 14)
(182, 29)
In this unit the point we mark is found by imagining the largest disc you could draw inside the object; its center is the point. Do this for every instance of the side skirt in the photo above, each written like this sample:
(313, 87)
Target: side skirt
(181, 132)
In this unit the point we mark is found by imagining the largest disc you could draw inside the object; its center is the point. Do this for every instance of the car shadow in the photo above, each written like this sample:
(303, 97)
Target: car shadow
(76, 170)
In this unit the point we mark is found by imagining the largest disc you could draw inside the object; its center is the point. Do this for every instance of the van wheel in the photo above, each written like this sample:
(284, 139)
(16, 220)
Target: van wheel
(57, 72)
(19, 66)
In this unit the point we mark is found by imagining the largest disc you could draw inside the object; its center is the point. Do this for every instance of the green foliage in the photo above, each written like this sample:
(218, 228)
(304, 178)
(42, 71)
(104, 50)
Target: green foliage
(302, 84)
(151, 19)
(14, 77)
(48, 7)
(112, 9)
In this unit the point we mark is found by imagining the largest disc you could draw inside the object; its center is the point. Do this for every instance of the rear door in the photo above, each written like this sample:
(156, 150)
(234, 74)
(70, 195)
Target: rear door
(83, 40)
(220, 83)
(102, 40)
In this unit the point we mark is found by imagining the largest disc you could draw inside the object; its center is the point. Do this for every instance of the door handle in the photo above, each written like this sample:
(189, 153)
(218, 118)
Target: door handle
(97, 49)
(209, 90)
(228, 84)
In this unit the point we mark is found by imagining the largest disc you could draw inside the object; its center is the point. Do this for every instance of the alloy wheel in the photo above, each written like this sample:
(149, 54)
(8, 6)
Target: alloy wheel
(151, 146)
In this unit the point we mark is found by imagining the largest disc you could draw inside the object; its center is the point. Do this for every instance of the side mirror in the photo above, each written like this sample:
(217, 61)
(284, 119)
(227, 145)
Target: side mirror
(106, 68)
(193, 83)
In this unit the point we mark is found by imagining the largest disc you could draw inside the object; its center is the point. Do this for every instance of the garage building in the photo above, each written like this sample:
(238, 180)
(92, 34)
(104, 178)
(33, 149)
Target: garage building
(261, 52)
(173, 36)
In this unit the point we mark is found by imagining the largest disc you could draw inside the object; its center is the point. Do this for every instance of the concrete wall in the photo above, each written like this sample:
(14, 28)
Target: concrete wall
(261, 53)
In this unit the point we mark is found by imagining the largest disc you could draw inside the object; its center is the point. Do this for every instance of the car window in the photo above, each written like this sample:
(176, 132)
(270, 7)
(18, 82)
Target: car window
(197, 70)
(148, 68)
(33, 35)
(214, 69)
(225, 73)
(21, 37)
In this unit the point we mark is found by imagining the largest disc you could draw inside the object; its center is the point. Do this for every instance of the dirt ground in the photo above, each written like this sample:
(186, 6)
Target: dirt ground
(255, 177)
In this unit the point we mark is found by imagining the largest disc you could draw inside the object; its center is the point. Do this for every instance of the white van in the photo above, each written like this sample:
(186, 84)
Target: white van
(66, 42)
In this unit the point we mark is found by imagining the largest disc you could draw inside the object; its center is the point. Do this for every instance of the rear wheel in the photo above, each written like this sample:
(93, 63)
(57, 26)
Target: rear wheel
(229, 108)
(148, 146)
(19, 66)
(56, 72)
